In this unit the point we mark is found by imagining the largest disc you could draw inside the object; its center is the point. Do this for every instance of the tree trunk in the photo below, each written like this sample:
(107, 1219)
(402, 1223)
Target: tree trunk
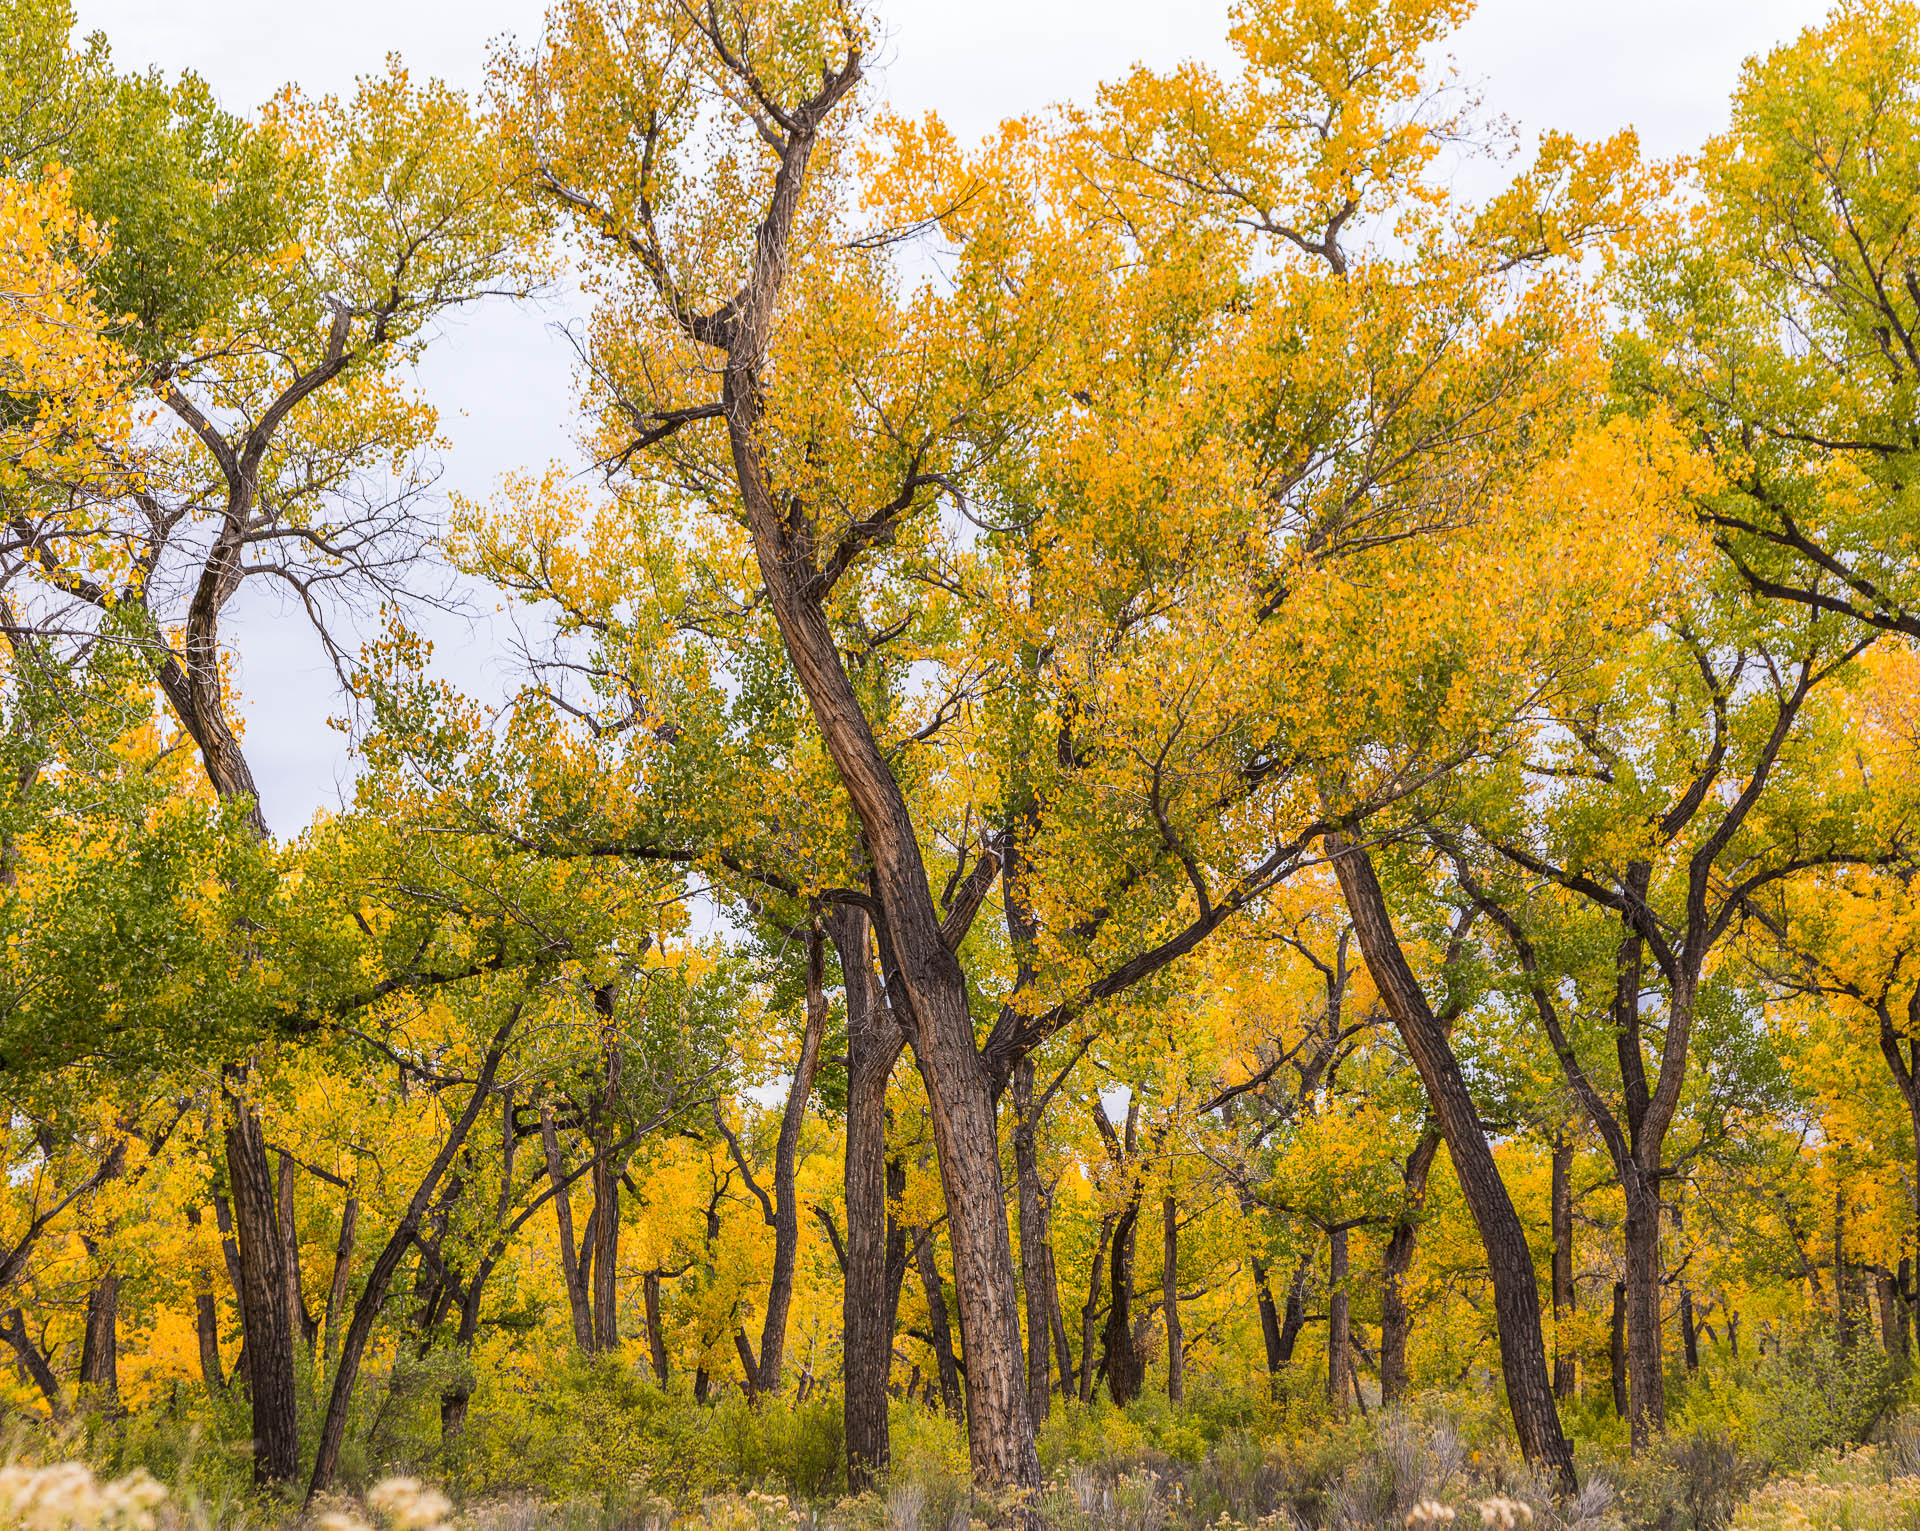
(1516, 1299)
(656, 1331)
(265, 1321)
(606, 1188)
(302, 1319)
(1119, 1356)
(1893, 1335)
(1689, 1331)
(34, 1362)
(373, 1296)
(1565, 1376)
(1617, 1349)
(206, 1318)
(1396, 1323)
(1296, 1315)
(1091, 1308)
(933, 991)
(786, 1160)
(342, 1274)
(1339, 1330)
(100, 1348)
(577, 1303)
(1170, 1299)
(1036, 1259)
(1269, 1321)
(871, 1287)
(939, 1330)
(1646, 1363)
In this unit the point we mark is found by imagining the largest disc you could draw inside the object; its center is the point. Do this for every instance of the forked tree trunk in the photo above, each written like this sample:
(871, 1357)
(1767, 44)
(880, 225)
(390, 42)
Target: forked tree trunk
(1516, 1299)
(1269, 1322)
(1119, 1356)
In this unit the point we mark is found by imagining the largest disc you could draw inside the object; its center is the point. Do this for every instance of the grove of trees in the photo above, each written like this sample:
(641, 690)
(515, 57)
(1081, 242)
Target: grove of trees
(1159, 756)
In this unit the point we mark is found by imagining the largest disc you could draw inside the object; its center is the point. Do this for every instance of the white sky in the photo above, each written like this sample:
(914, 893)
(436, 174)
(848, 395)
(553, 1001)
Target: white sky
(502, 378)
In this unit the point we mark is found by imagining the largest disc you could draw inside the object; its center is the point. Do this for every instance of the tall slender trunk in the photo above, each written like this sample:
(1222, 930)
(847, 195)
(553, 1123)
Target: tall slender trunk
(1170, 1299)
(206, 1317)
(577, 1302)
(1396, 1322)
(264, 1317)
(939, 1329)
(1565, 1376)
(1090, 1309)
(1893, 1331)
(786, 1159)
(1516, 1299)
(1842, 1287)
(1036, 1260)
(606, 1183)
(1339, 1329)
(342, 1274)
(871, 1287)
(302, 1320)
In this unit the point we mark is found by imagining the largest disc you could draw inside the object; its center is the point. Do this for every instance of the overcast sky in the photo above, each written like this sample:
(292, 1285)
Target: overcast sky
(502, 377)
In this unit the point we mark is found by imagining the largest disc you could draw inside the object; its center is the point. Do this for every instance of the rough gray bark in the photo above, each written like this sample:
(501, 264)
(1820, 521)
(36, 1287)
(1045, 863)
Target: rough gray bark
(1339, 1328)
(1396, 1322)
(939, 1330)
(264, 1317)
(1565, 1375)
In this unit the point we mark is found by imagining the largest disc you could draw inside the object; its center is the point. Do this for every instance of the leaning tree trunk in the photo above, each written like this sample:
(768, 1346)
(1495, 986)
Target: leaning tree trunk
(264, 1319)
(933, 987)
(1269, 1321)
(578, 1303)
(1516, 1299)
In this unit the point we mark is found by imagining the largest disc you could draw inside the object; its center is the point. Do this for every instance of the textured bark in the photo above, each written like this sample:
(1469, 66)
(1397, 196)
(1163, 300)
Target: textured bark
(1689, 1331)
(1269, 1319)
(264, 1318)
(1339, 1330)
(1893, 1329)
(1396, 1323)
(342, 1273)
(1516, 1300)
(1565, 1374)
(1170, 1299)
(871, 1287)
(577, 1301)
(606, 1185)
(939, 1329)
